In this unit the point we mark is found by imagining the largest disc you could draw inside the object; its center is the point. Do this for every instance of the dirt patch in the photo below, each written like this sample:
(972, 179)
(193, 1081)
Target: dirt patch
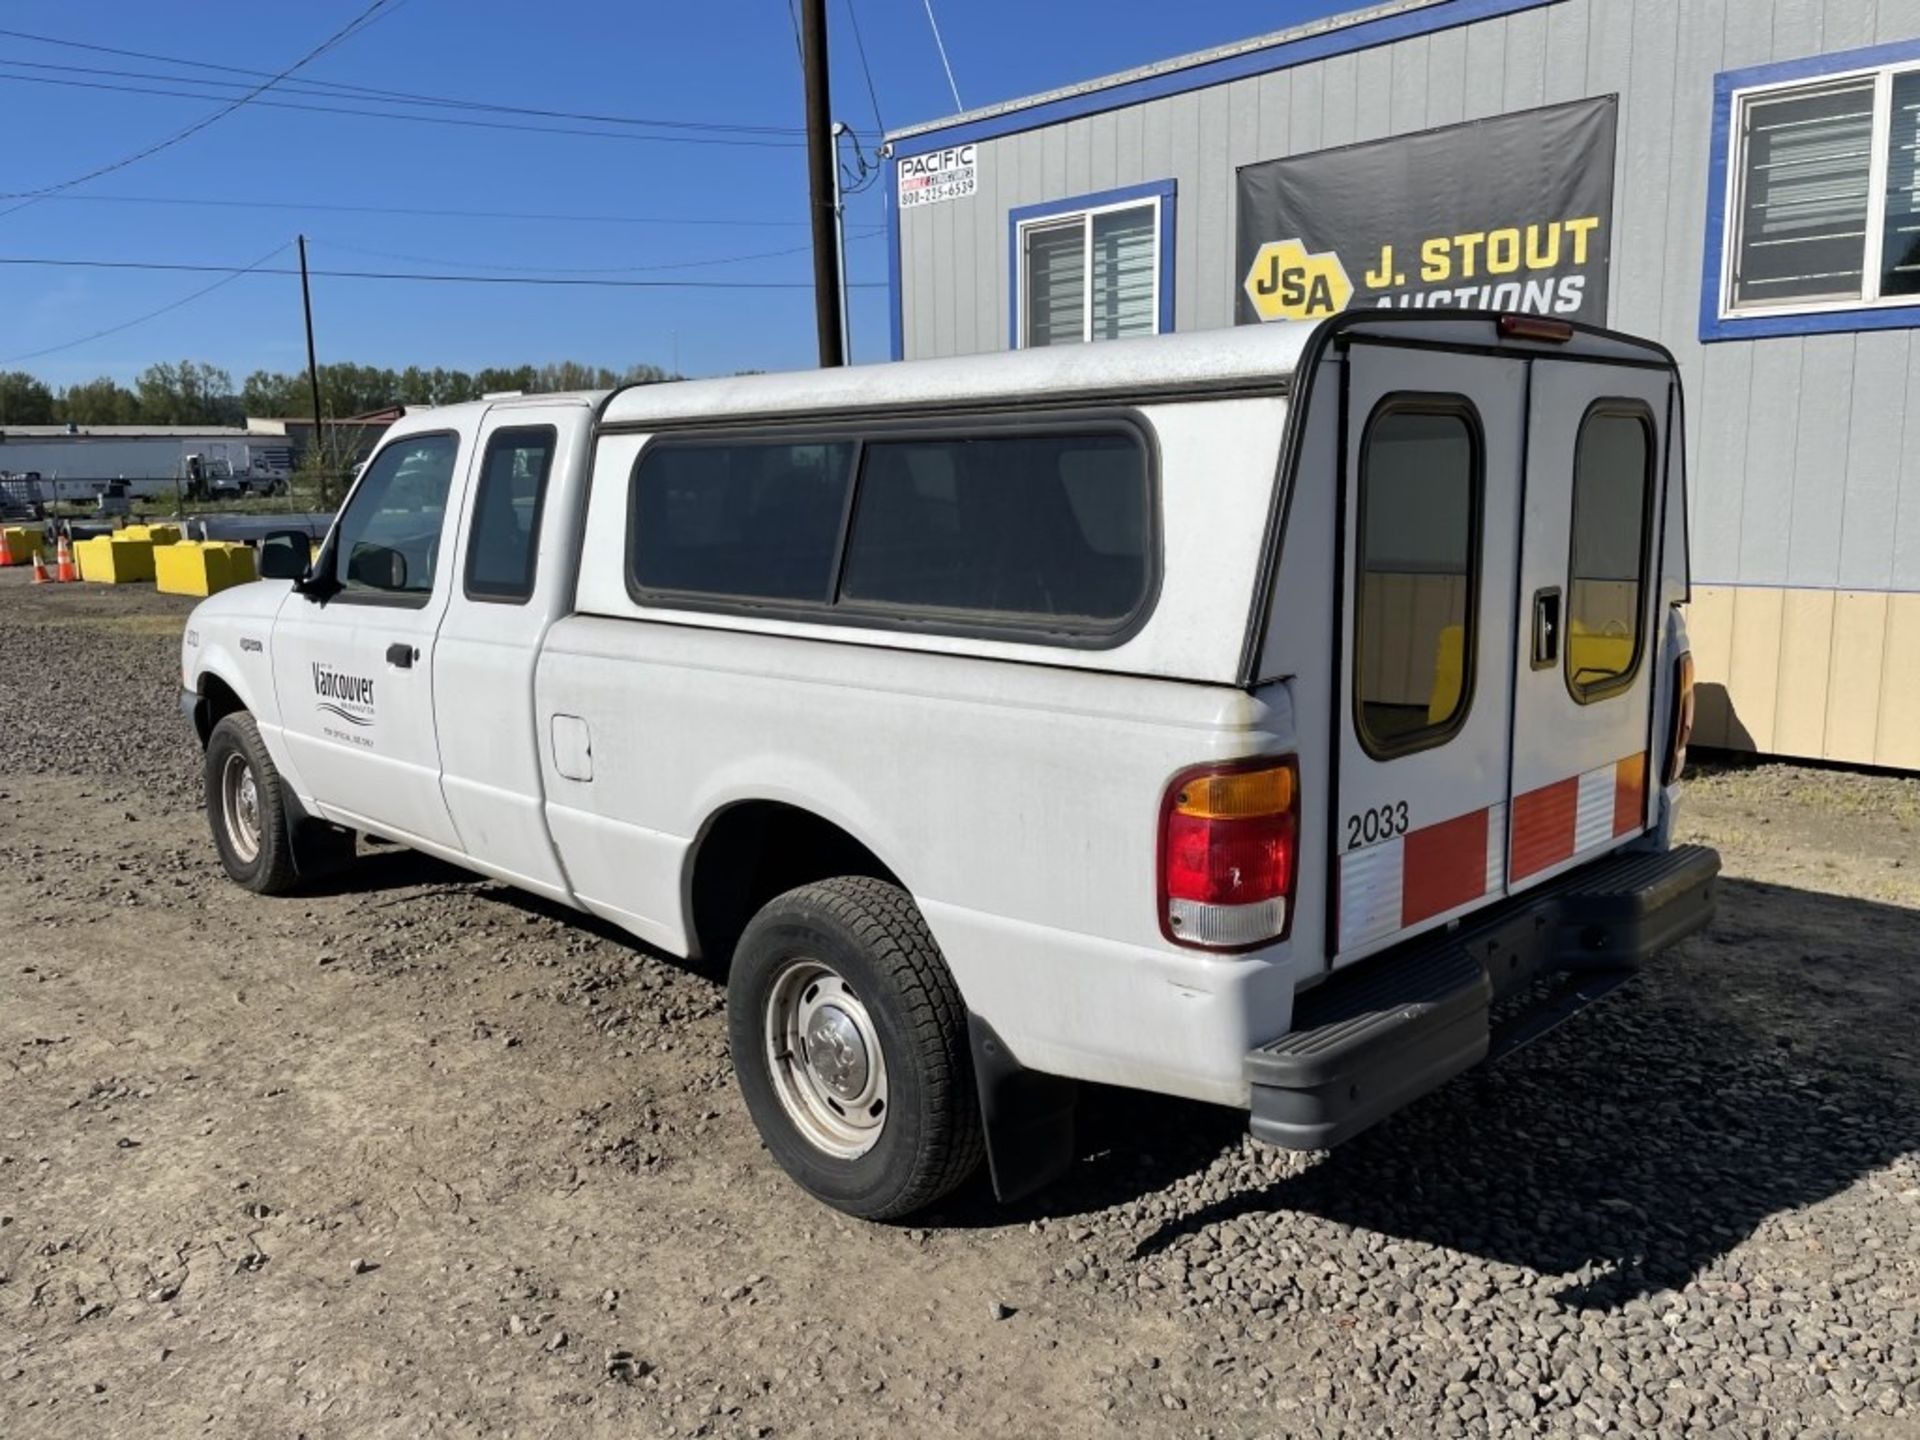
(420, 1156)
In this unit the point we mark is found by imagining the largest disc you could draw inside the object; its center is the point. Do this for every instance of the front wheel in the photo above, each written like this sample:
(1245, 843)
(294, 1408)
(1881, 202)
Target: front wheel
(246, 808)
(850, 1041)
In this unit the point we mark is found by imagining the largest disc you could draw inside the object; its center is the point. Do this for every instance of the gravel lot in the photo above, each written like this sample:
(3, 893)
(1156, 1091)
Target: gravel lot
(418, 1156)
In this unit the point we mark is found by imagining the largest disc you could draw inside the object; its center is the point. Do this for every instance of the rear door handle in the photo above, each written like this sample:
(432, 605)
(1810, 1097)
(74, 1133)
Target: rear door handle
(1546, 628)
(400, 655)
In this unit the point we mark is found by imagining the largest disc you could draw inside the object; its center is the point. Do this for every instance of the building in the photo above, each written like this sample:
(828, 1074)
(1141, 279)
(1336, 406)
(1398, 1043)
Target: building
(1736, 178)
(77, 462)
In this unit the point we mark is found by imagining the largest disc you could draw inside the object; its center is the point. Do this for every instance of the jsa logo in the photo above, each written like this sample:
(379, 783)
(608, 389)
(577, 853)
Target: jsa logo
(1286, 283)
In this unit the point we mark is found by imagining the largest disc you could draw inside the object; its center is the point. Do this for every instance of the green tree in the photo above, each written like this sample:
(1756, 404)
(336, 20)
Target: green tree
(97, 402)
(189, 393)
(24, 399)
(267, 394)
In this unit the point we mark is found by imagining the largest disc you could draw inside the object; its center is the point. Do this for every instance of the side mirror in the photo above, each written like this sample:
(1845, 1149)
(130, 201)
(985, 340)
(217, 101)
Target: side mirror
(377, 567)
(283, 556)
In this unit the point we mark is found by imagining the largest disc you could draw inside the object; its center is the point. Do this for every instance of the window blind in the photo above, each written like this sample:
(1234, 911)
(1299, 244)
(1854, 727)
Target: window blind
(1056, 283)
(1123, 266)
(1806, 165)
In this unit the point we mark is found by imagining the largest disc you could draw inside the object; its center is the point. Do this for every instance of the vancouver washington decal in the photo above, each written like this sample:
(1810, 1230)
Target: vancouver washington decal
(344, 700)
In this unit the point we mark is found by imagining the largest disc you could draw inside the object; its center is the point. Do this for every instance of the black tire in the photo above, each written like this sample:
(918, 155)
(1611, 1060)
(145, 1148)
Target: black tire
(261, 859)
(871, 935)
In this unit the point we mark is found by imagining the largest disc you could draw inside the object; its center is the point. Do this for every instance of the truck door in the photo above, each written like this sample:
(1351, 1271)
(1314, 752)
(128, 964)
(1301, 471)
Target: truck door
(1427, 565)
(513, 580)
(1583, 678)
(354, 675)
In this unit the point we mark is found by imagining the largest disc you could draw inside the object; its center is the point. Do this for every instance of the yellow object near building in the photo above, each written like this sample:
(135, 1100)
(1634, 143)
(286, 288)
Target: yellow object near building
(22, 541)
(193, 567)
(114, 560)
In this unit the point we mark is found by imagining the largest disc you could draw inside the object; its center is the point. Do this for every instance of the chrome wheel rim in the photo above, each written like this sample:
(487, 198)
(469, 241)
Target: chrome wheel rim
(825, 1057)
(240, 808)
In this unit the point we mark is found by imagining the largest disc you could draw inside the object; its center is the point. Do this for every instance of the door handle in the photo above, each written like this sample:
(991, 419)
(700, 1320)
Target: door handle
(1546, 628)
(400, 655)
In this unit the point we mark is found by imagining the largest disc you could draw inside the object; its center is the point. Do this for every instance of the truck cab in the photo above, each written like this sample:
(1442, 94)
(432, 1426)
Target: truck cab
(1287, 718)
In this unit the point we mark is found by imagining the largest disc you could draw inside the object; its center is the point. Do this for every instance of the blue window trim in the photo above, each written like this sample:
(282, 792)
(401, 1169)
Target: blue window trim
(1448, 15)
(1162, 190)
(1761, 326)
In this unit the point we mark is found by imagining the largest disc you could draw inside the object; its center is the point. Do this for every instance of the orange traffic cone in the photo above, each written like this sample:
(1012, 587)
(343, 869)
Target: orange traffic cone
(63, 570)
(6, 552)
(40, 576)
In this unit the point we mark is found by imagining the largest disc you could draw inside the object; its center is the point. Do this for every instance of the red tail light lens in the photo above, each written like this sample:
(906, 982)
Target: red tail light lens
(1228, 842)
(1682, 717)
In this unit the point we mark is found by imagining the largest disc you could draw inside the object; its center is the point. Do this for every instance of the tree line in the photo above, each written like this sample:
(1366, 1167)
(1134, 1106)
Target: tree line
(195, 393)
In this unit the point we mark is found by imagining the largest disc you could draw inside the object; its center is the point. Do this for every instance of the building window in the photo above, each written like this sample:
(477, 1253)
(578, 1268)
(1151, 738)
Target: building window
(1094, 268)
(1822, 205)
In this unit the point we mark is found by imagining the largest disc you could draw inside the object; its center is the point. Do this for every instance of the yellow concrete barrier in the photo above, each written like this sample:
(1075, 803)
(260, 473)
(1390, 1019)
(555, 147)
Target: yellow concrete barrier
(159, 534)
(22, 541)
(114, 560)
(240, 566)
(194, 567)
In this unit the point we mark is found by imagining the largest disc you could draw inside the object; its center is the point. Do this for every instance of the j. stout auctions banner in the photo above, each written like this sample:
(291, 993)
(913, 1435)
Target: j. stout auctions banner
(1509, 214)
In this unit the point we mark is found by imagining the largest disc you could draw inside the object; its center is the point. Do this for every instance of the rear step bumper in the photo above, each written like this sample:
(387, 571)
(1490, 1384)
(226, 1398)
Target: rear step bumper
(1379, 1036)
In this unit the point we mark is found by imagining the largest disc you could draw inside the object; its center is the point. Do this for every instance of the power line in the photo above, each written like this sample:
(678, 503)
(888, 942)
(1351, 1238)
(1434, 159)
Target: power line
(346, 32)
(853, 18)
(371, 92)
(318, 206)
(470, 124)
(586, 269)
(561, 280)
(941, 46)
(151, 314)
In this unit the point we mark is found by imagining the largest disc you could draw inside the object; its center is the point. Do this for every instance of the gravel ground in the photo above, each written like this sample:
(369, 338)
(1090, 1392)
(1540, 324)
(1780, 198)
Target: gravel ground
(418, 1156)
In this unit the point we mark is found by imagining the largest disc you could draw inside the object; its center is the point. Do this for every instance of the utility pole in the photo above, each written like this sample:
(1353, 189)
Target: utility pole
(313, 376)
(840, 249)
(822, 169)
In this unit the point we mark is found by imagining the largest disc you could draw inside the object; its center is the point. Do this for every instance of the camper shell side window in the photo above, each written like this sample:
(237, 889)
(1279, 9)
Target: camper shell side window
(1047, 530)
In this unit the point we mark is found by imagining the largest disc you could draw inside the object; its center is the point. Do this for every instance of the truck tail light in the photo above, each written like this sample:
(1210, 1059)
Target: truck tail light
(1682, 731)
(1228, 855)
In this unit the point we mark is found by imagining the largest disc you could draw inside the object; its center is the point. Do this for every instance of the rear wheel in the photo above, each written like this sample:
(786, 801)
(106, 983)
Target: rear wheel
(850, 1041)
(246, 808)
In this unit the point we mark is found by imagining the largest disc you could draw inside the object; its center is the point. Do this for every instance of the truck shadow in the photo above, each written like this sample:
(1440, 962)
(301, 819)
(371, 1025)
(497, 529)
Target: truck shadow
(1766, 1066)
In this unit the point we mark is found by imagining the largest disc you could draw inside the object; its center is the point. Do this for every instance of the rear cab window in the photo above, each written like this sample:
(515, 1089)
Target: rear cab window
(504, 541)
(1613, 474)
(1042, 531)
(1418, 561)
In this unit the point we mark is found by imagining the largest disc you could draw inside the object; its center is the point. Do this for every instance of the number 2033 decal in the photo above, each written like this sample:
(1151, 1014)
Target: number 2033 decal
(1382, 822)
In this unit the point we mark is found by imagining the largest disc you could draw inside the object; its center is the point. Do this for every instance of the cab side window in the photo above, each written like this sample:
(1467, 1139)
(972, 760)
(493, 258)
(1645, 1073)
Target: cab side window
(504, 544)
(1416, 587)
(387, 545)
(1612, 494)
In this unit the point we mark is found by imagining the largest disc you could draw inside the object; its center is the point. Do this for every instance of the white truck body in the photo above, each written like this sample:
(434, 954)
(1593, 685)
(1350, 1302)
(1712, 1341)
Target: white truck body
(660, 757)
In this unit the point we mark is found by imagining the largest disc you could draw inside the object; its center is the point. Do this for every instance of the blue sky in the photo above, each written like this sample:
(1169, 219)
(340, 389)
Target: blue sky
(725, 62)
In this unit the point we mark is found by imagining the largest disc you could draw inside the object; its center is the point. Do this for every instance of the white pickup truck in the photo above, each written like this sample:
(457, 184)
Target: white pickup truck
(1286, 718)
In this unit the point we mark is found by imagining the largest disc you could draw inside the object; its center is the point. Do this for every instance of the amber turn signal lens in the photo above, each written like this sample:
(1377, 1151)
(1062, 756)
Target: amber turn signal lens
(1237, 795)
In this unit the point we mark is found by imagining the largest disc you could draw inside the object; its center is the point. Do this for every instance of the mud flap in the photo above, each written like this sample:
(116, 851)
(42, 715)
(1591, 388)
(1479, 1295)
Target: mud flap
(319, 847)
(1027, 1116)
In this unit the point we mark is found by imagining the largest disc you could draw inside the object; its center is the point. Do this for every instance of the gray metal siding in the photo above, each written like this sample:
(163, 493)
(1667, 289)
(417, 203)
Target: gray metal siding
(1801, 474)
